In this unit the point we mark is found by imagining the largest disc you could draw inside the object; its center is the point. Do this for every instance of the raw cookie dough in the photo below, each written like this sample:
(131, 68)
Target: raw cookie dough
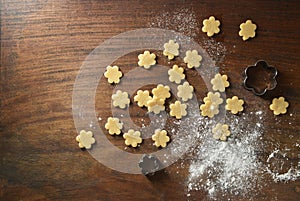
(219, 82)
(176, 74)
(178, 110)
(113, 74)
(120, 99)
(279, 106)
(113, 126)
(214, 98)
(209, 109)
(185, 91)
(147, 59)
(156, 105)
(211, 26)
(171, 49)
(142, 97)
(161, 92)
(221, 132)
(234, 105)
(192, 59)
(85, 139)
(132, 138)
(247, 30)
(160, 138)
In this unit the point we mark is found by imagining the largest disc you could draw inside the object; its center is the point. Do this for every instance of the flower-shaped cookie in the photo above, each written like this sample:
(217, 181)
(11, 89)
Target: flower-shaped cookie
(221, 132)
(85, 139)
(219, 82)
(142, 97)
(156, 105)
(147, 59)
(171, 49)
(192, 59)
(279, 106)
(113, 74)
(260, 78)
(214, 98)
(247, 30)
(211, 26)
(160, 138)
(209, 109)
(234, 105)
(120, 99)
(178, 110)
(185, 91)
(176, 74)
(113, 125)
(161, 92)
(132, 138)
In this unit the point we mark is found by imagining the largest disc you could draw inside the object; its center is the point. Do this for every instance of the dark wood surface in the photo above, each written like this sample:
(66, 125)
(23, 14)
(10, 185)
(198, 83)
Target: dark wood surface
(43, 45)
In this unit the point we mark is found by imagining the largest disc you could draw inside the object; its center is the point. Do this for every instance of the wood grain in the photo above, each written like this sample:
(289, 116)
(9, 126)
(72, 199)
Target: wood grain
(43, 45)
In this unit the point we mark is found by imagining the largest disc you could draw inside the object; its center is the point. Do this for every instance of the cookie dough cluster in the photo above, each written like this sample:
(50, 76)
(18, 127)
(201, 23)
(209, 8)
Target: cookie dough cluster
(155, 100)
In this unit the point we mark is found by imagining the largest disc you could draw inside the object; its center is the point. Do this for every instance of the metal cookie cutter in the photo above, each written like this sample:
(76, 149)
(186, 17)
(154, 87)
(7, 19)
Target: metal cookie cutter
(149, 164)
(260, 78)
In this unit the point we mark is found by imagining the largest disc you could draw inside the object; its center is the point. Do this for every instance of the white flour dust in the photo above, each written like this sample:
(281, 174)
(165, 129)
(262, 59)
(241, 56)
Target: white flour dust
(216, 50)
(280, 168)
(180, 20)
(233, 167)
(228, 167)
(186, 22)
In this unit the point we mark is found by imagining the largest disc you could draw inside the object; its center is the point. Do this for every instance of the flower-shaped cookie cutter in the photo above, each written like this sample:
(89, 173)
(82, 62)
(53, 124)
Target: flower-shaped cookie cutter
(260, 78)
(149, 164)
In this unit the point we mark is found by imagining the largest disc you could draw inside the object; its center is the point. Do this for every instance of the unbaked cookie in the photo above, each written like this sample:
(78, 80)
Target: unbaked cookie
(178, 110)
(142, 97)
(160, 138)
(161, 92)
(147, 59)
(176, 74)
(209, 109)
(156, 105)
(85, 139)
(211, 26)
(247, 30)
(219, 82)
(120, 99)
(214, 98)
(171, 49)
(113, 74)
(221, 132)
(185, 91)
(192, 59)
(113, 126)
(132, 138)
(279, 106)
(234, 105)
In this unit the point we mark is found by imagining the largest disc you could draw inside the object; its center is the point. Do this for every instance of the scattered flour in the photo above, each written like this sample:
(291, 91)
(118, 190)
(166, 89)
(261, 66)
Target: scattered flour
(182, 20)
(231, 167)
(186, 22)
(216, 50)
(291, 175)
(278, 161)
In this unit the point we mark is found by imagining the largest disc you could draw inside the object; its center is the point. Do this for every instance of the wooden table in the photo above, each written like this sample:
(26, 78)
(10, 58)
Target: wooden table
(43, 45)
